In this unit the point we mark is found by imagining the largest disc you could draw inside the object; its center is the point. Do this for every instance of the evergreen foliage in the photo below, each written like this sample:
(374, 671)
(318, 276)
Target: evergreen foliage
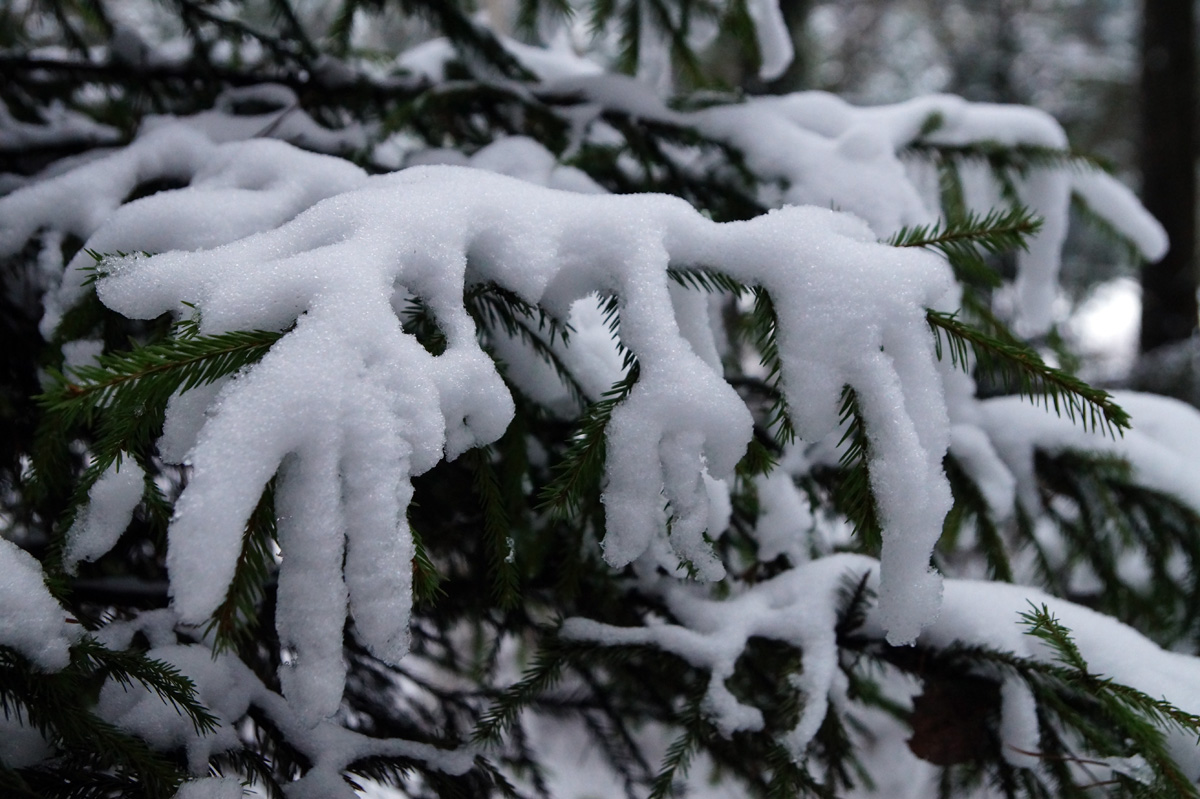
(508, 538)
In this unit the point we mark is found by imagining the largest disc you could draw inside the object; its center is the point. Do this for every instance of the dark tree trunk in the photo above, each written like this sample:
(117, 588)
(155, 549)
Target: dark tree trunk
(1168, 161)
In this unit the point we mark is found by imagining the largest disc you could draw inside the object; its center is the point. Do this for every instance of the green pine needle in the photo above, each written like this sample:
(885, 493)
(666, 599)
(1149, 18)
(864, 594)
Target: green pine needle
(1019, 159)
(427, 582)
(494, 307)
(235, 620)
(970, 504)
(153, 372)
(964, 240)
(582, 467)
(1022, 369)
(497, 528)
(853, 494)
(542, 674)
(678, 757)
(163, 679)
(708, 280)
(762, 325)
(1045, 626)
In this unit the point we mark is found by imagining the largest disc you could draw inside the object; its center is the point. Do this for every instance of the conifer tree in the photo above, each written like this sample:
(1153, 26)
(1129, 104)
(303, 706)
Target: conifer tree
(522, 415)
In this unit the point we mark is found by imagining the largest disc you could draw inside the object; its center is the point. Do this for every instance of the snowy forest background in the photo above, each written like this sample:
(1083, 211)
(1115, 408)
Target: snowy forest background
(610, 398)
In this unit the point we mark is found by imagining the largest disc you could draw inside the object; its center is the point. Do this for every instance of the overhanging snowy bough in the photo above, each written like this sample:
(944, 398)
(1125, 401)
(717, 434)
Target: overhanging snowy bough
(346, 402)
(334, 404)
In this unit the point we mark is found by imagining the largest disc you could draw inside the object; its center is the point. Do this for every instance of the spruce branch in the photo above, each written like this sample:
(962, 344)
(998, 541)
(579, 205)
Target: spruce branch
(1022, 369)
(497, 528)
(853, 494)
(494, 307)
(95, 757)
(148, 375)
(123, 397)
(166, 681)
(1019, 159)
(760, 457)
(997, 231)
(236, 618)
(1105, 716)
(761, 326)
(533, 13)
(582, 466)
(709, 280)
(951, 192)
(963, 238)
(1141, 716)
(295, 48)
(427, 582)
(468, 36)
(970, 504)
(1103, 514)
(1045, 626)
(678, 757)
(543, 673)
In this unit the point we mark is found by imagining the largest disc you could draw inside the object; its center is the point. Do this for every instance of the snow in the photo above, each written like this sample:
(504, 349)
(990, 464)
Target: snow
(785, 518)
(549, 247)
(774, 38)
(1104, 329)
(851, 313)
(109, 510)
(221, 686)
(61, 126)
(973, 450)
(1160, 447)
(825, 152)
(210, 788)
(800, 607)
(33, 623)
(1114, 203)
(258, 185)
(21, 745)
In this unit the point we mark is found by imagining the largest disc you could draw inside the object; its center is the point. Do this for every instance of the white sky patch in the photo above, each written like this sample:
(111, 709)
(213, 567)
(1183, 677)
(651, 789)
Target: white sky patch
(1104, 328)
